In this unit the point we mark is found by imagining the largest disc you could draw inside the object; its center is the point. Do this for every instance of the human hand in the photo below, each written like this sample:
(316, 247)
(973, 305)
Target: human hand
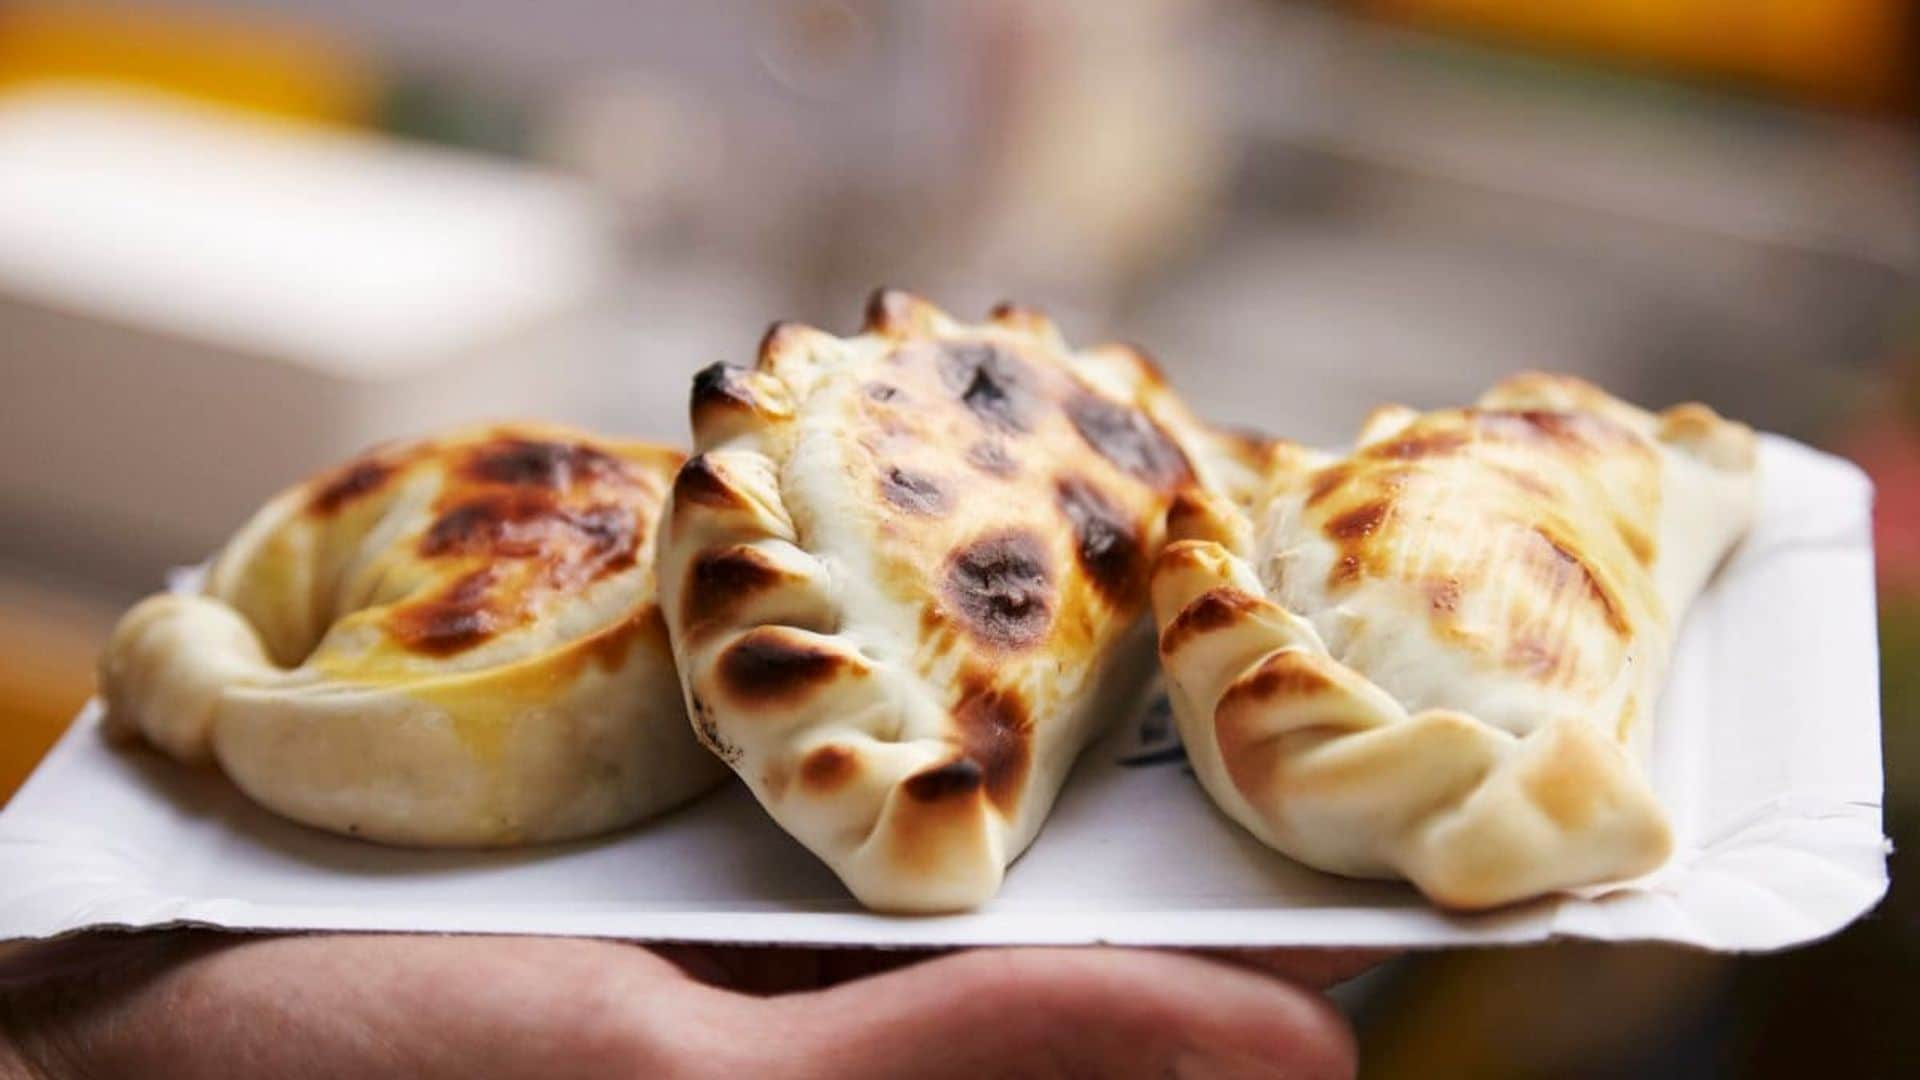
(190, 1004)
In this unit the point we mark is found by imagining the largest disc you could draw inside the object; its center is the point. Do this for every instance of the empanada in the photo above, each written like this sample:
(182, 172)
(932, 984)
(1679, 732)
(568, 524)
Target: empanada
(453, 642)
(1438, 658)
(905, 579)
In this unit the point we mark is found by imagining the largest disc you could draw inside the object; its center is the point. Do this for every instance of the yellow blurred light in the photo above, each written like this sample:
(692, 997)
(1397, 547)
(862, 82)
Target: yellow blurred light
(260, 64)
(1847, 51)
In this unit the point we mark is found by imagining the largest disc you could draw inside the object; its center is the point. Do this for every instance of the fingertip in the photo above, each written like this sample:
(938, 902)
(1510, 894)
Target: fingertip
(1247, 1015)
(1098, 1011)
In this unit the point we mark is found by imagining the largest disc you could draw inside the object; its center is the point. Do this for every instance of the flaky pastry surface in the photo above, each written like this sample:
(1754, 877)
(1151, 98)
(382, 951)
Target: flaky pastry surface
(1437, 658)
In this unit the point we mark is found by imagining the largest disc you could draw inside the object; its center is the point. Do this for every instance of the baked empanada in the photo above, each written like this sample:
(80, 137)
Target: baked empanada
(1438, 657)
(906, 578)
(453, 642)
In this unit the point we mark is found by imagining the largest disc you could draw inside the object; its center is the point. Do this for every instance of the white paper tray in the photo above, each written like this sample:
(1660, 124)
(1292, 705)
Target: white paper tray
(1767, 754)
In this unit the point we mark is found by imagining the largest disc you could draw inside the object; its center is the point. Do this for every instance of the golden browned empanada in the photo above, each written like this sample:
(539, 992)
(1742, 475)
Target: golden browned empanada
(905, 578)
(453, 642)
(1437, 658)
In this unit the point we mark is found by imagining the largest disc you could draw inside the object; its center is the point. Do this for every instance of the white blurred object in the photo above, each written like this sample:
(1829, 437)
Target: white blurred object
(196, 308)
(672, 320)
(643, 140)
(1056, 152)
(1108, 155)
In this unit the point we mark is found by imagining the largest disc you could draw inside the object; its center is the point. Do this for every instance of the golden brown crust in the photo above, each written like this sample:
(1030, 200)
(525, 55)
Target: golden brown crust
(970, 512)
(348, 483)
(520, 522)
(772, 665)
(1435, 657)
(1457, 499)
(452, 641)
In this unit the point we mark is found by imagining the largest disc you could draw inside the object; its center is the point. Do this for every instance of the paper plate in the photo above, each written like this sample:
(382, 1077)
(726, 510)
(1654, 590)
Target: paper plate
(1766, 753)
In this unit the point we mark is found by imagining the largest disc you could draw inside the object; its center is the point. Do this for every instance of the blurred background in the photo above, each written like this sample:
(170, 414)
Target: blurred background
(240, 240)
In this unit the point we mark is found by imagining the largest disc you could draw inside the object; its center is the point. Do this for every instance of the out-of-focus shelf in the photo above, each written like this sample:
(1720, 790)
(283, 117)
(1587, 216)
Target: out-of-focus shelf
(199, 307)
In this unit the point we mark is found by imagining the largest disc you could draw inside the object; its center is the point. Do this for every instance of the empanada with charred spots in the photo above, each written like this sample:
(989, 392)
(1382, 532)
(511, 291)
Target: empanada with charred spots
(1437, 658)
(452, 642)
(905, 577)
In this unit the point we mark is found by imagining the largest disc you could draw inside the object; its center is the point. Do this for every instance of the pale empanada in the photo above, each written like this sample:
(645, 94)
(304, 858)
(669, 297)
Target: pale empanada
(448, 643)
(1438, 658)
(905, 577)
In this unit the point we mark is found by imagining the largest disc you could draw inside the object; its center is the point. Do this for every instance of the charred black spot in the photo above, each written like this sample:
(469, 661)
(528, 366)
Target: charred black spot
(540, 463)
(720, 581)
(995, 735)
(990, 456)
(445, 630)
(734, 570)
(1215, 609)
(1358, 523)
(882, 392)
(487, 523)
(955, 778)
(1104, 542)
(530, 524)
(709, 733)
(916, 493)
(1129, 439)
(609, 529)
(459, 528)
(721, 386)
(1190, 516)
(769, 665)
(991, 382)
(349, 484)
(1002, 587)
(455, 620)
(699, 482)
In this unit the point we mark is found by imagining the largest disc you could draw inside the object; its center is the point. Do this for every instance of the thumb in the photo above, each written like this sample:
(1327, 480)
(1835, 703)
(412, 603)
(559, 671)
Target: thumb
(1056, 1012)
